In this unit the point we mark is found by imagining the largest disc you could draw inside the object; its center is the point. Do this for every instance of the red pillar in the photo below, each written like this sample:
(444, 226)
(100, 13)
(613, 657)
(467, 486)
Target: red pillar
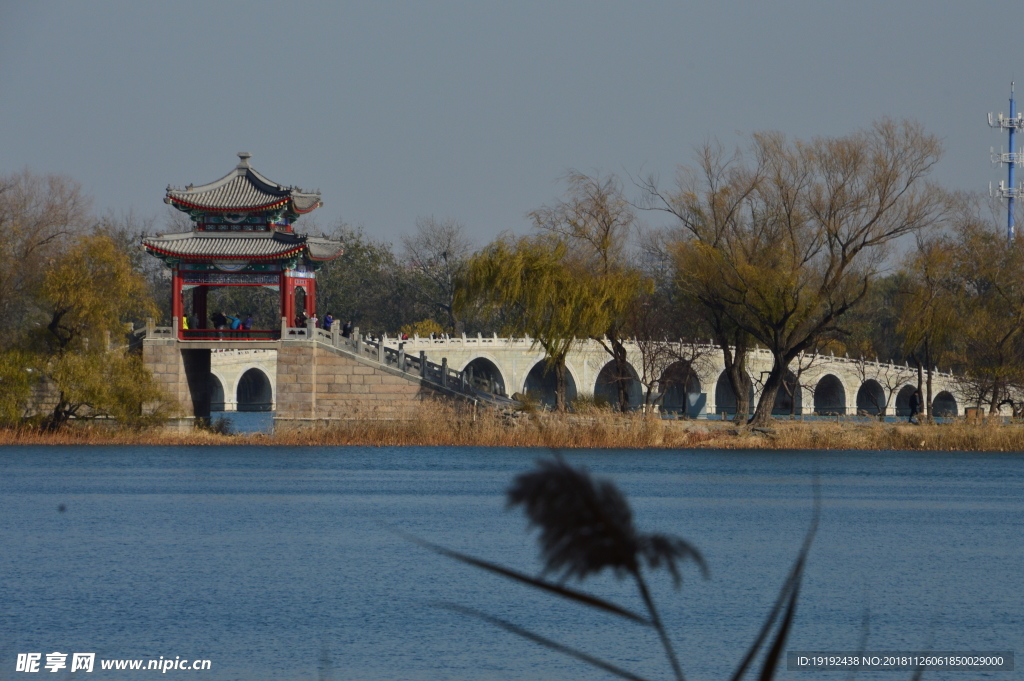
(310, 296)
(287, 298)
(177, 308)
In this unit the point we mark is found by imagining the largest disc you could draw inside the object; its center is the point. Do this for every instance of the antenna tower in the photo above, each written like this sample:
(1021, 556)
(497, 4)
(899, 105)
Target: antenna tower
(1008, 190)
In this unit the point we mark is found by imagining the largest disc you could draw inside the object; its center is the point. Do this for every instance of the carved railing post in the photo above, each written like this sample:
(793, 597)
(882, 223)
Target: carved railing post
(401, 356)
(423, 364)
(284, 328)
(380, 349)
(444, 372)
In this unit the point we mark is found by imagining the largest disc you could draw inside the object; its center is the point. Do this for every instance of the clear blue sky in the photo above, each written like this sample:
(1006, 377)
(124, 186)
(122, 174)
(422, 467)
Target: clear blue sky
(473, 110)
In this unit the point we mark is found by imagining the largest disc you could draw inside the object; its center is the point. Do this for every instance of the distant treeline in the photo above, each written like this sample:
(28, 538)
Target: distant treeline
(837, 244)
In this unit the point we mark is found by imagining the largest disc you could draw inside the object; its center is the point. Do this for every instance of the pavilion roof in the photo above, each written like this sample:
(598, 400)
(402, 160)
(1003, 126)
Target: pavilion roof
(252, 246)
(242, 190)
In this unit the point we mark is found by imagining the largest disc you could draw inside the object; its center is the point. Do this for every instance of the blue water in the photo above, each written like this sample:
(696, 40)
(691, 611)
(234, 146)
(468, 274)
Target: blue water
(278, 564)
(246, 421)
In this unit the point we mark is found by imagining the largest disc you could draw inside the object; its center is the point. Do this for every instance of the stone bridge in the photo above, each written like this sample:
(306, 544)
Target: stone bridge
(245, 375)
(697, 386)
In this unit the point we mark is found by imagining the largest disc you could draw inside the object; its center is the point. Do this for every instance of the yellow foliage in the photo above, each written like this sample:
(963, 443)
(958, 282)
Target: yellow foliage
(91, 291)
(423, 328)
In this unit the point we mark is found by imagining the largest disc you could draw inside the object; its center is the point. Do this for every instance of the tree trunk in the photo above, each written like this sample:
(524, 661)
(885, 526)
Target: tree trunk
(994, 405)
(763, 413)
(734, 355)
(59, 416)
(920, 372)
(622, 375)
(560, 384)
(928, 381)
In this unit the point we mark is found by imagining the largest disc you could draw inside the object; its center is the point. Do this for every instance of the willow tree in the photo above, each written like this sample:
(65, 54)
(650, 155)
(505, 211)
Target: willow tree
(88, 295)
(927, 308)
(806, 230)
(595, 221)
(529, 284)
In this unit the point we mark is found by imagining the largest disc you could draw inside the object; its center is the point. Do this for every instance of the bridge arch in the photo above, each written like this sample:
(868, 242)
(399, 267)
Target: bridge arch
(217, 383)
(678, 384)
(870, 398)
(725, 398)
(903, 400)
(486, 374)
(541, 382)
(829, 396)
(944, 404)
(254, 392)
(606, 389)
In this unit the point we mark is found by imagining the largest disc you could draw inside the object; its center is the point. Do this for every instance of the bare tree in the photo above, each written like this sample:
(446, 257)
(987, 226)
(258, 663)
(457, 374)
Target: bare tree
(437, 253)
(39, 216)
(783, 247)
(663, 362)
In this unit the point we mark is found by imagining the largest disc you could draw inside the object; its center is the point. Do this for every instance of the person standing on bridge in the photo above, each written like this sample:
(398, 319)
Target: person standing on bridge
(346, 330)
(219, 320)
(328, 321)
(247, 324)
(915, 407)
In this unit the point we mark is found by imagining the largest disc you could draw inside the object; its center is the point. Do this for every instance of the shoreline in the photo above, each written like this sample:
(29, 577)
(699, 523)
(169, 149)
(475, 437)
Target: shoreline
(444, 425)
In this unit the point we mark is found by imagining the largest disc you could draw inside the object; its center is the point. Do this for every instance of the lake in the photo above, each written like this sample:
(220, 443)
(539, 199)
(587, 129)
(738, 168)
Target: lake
(280, 564)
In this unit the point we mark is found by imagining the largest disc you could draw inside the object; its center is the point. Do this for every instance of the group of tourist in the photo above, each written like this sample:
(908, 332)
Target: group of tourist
(303, 318)
(223, 322)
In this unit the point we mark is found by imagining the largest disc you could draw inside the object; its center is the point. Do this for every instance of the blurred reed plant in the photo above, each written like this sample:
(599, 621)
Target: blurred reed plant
(585, 526)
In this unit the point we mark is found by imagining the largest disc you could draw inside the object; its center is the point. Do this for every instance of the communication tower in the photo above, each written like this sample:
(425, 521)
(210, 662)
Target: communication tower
(1008, 190)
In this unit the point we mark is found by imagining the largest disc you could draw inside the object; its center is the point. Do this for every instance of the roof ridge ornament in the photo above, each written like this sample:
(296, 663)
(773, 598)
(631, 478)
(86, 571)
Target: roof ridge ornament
(244, 157)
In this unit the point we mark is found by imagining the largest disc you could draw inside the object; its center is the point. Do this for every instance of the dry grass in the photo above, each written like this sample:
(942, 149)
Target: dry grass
(443, 424)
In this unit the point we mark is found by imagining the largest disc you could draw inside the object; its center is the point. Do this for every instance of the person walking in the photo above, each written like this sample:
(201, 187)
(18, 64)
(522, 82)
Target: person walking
(915, 407)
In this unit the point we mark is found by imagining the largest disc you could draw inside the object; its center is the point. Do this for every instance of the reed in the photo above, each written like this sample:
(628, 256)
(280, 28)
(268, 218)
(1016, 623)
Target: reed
(444, 424)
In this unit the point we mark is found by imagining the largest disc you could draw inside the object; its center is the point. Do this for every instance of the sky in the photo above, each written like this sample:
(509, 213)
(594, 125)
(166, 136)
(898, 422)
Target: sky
(476, 110)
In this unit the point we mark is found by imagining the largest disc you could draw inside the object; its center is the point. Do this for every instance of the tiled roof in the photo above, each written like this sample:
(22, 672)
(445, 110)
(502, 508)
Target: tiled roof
(243, 189)
(269, 246)
(324, 249)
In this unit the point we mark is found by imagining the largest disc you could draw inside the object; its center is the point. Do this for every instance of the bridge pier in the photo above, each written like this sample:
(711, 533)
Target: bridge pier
(182, 374)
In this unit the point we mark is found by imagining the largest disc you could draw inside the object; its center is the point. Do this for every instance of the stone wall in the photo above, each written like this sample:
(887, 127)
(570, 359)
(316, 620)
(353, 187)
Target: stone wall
(165, 361)
(316, 382)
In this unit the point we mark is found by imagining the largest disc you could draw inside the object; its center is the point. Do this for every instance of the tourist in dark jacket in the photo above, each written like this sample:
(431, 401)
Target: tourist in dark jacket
(219, 320)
